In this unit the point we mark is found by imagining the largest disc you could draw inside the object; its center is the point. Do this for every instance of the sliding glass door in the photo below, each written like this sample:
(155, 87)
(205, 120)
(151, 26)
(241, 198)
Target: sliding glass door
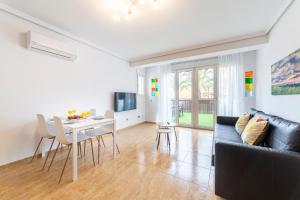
(196, 97)
(206, 97)
(185, 94)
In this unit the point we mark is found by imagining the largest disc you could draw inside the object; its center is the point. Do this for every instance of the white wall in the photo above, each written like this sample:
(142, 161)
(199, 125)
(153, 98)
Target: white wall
(284, 39)
(32, 83)
(249, 60)
(152, 103)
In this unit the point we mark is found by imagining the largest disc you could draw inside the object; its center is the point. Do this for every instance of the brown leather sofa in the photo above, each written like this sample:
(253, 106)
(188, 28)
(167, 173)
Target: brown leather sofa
(270, 171)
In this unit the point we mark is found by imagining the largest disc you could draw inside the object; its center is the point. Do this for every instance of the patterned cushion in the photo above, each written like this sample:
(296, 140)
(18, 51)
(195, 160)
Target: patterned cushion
(242, 122)
(255, 131)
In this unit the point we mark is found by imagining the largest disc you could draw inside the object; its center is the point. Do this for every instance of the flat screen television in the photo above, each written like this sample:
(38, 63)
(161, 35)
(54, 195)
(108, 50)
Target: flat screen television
(124, 101)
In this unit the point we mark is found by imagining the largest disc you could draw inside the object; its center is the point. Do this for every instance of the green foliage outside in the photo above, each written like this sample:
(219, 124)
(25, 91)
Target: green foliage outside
(204, 120)
(285, 90)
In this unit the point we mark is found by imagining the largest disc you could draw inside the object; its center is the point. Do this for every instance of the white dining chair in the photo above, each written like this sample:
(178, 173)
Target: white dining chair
(45, 133)
(99, 132)
(67, 140)
(166, 132)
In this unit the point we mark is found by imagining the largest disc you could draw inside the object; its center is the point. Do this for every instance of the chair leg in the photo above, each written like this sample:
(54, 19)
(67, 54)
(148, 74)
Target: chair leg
(116, 145)
(80, 151)
(98, 139)
(84, 147)
(158, 141)
(168, 141)
(102, 141)
(48, 153)
(92, 151)
(118, 148)
(53, 157)
(175, 133)
(65, 165)
(156, 137)
(37, 148)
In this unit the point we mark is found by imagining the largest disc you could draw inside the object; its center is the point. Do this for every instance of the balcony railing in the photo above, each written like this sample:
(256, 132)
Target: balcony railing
(204, 105)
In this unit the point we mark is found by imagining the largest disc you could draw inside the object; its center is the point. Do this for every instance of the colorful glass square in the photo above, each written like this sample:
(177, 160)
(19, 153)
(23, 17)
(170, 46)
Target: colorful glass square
(154, 87)
(249, 87)
(249, 84)
(249, 80)
(249, 74)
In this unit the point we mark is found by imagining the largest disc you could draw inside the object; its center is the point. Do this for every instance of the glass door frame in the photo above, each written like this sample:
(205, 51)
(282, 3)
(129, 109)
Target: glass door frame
(195, 104)
(177, 96)
(215, 99)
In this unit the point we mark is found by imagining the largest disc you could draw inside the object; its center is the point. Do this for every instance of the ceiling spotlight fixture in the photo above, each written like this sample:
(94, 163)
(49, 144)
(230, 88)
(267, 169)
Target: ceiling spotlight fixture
(128, 8)
(141, 2)
(116, 16)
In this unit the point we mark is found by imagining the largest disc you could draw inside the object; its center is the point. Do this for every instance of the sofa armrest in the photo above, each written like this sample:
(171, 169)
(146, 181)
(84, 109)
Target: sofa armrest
(251, 172)
(226, 120)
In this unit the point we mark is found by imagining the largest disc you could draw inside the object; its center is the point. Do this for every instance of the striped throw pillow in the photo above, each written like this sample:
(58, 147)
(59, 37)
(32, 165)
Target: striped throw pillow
(255, 131)
(242, 122)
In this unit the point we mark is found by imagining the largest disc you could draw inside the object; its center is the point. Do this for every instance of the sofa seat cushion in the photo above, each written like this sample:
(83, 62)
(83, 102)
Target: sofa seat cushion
(226, 133)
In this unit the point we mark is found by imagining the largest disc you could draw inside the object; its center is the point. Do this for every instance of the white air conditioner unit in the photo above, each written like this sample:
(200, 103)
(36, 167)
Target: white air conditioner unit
(43, 44)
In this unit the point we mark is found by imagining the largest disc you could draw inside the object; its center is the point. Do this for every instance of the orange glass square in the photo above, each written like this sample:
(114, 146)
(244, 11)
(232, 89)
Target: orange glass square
(249, 74)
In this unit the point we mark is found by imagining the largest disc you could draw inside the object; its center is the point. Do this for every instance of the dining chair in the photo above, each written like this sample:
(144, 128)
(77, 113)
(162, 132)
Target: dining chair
(109, 129)
(170, 125)
(68, 141)
(166, 132)
(99, 132)
(45, 133)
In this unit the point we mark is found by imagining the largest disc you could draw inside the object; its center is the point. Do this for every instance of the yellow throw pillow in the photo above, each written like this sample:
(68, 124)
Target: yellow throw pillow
(255, 131)
(242, 122)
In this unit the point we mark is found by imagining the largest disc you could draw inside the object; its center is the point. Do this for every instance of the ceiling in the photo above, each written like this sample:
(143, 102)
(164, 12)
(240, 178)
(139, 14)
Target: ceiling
(175, 25)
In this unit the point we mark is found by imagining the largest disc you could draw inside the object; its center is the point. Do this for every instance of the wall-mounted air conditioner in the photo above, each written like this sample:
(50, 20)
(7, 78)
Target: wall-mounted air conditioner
(50, 46)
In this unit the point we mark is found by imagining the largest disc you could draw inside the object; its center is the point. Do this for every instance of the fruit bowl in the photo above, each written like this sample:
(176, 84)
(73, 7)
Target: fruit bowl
(74, 117)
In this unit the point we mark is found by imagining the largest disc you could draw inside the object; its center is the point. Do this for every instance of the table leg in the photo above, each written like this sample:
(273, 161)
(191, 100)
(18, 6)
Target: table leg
(114, 142)
(75, 166)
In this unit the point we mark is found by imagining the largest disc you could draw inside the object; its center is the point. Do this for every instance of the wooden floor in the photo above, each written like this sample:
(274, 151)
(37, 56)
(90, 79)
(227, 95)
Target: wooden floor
(139, 172)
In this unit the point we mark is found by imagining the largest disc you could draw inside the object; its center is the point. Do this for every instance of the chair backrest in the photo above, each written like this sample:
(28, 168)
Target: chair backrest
(60, 131)
(93, 112)
(109, 114)
(160, 129)
(43, 127)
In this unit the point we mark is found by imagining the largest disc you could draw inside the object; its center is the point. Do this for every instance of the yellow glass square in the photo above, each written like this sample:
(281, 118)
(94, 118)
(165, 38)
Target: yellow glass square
(249, 87)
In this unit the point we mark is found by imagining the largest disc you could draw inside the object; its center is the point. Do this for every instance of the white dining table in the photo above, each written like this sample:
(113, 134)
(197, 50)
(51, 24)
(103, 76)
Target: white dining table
(81, 125)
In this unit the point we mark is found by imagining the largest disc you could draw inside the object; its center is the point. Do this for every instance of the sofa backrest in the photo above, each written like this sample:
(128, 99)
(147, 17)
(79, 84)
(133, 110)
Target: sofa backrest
(253, 111)
(282, 134)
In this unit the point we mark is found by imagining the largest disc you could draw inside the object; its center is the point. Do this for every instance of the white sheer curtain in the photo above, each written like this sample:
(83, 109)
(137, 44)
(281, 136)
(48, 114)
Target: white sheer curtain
(167, 94)
(231, 91)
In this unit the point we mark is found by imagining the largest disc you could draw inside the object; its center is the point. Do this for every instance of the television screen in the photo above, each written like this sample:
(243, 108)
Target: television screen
(125, 101)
